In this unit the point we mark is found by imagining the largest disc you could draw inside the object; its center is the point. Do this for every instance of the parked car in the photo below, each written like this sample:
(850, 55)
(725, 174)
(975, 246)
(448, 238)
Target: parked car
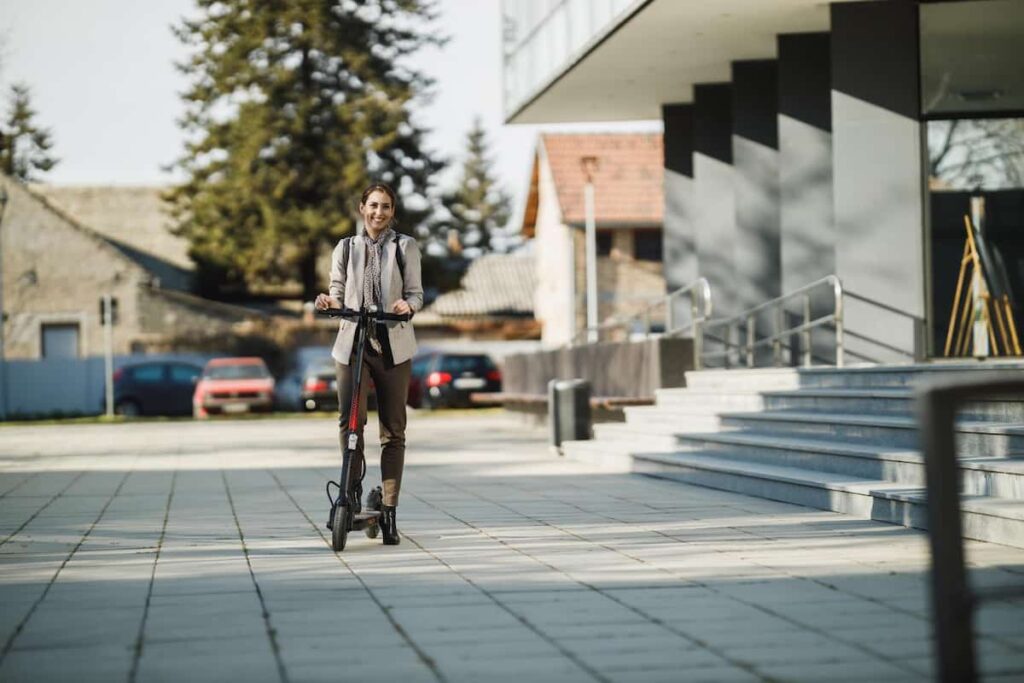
(319, 386)
(155, 388)
(233, 385)
(312, 384)
(446, 380)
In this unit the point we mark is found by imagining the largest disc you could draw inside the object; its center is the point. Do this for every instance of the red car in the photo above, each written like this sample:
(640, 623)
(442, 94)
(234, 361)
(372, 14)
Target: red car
(233, 385)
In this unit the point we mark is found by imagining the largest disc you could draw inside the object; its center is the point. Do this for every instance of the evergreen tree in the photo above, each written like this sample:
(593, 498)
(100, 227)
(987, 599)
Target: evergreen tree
(294, 107)
(478, 208)
(24, 146)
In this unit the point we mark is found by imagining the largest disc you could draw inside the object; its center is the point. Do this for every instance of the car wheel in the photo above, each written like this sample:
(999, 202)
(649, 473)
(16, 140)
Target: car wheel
(127, 408)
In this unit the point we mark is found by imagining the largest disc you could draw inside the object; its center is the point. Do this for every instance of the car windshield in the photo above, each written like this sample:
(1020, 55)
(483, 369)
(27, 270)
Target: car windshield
(248, 371)
(321, 367)
(466, 364)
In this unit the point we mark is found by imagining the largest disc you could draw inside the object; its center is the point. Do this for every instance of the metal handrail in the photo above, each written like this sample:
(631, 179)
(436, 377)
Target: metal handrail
(777, 305)
(700, 310)
(954, 600)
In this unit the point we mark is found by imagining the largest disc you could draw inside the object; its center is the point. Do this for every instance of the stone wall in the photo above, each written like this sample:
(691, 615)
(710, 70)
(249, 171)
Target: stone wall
(625, 369)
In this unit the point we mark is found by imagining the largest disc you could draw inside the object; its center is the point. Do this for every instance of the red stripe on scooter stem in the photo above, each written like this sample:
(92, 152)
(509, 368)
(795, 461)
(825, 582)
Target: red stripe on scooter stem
(353, 412)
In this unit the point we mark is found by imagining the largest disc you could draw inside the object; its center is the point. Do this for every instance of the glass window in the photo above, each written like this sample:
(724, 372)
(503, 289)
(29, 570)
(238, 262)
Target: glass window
(419, 366)
(604, 242)
(184, 374)
(247, 371)
(647, 245)
(60, 340)
(147, 374)
(454, 364)
(976, 171)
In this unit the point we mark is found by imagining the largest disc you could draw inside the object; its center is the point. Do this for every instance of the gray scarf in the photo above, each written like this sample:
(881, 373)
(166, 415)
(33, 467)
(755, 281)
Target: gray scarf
(372, 288)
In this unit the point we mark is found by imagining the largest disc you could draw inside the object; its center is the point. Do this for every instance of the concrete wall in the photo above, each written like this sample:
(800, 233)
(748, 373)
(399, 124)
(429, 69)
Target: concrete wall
(714, 193)
(679, 235)
(756, 163)
(554, 302)
(632, 369)
(878, 177)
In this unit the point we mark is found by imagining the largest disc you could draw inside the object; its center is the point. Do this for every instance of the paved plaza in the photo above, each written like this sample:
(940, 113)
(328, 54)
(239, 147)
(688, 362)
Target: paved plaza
(181, 551)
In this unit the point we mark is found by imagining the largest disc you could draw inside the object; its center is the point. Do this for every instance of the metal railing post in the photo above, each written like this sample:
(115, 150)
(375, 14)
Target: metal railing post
(837, 292)
(806, 338)
(750, 341)
(698, 330)
(778, 324)
(951, 600)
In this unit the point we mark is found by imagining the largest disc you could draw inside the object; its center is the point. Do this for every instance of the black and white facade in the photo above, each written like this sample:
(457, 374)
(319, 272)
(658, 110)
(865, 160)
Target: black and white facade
(804, 139)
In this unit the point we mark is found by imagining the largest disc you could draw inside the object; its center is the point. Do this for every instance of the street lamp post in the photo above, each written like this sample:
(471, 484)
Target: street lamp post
(3, 358)
(589, 166)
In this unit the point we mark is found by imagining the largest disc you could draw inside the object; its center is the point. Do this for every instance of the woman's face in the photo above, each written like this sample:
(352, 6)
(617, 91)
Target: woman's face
(377, 211)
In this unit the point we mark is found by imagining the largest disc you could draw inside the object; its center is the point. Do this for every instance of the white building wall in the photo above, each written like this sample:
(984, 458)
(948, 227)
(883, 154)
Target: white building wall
(553, 305)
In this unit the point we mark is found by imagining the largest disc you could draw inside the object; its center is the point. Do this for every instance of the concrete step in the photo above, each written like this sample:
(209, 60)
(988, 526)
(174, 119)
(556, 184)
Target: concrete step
(985, 519)
(660, 416)
(994, 476)
(974, 438)
(658, 436)
(613, 456)
(881, 402)
(708, 401)
(987, 476)
(866, 376)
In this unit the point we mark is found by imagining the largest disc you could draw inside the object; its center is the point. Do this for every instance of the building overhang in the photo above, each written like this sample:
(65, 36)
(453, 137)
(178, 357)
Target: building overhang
(656, 53)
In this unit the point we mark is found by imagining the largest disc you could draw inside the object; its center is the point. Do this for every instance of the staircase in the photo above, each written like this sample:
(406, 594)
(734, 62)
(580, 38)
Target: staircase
(834, 439)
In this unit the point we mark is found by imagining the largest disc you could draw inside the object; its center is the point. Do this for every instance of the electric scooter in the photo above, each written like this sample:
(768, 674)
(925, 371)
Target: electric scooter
(346, 508)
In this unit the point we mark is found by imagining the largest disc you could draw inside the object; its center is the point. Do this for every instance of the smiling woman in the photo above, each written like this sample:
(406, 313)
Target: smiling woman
(378, 269)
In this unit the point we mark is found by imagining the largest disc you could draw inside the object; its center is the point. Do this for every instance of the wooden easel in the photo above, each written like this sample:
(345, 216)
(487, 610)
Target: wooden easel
(960, 338)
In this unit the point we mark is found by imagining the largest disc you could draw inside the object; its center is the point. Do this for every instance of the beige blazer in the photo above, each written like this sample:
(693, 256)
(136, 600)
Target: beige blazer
(400, 334)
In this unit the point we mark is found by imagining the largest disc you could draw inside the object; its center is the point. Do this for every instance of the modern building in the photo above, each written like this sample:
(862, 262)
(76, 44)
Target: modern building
(803, 139)
(626, 174)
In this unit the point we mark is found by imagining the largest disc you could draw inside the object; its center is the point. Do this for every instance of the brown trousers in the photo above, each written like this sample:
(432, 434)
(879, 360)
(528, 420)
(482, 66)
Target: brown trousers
(392, 387)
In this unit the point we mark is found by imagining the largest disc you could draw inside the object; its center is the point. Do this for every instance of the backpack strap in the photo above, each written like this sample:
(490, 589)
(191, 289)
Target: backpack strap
(400, 257)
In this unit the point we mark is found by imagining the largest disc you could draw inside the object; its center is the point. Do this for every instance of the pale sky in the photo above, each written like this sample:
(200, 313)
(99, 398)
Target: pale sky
(102, 78)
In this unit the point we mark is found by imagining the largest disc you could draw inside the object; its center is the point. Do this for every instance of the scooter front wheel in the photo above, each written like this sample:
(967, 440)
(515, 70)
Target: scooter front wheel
(339, 534)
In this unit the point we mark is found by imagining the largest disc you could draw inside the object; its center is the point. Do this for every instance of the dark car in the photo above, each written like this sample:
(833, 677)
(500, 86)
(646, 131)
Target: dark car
(155, 388)
(446, 380)
(319, 388)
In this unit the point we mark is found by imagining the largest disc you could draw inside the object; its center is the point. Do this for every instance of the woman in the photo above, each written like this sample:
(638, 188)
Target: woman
(378, 267)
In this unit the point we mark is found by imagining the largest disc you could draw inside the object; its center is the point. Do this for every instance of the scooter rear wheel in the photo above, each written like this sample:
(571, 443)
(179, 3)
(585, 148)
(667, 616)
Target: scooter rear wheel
(339, 534)
(373, 502)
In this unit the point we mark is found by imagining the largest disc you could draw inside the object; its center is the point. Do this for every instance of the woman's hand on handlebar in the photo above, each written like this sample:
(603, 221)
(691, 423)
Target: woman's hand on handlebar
(325, 301)
(401, 307)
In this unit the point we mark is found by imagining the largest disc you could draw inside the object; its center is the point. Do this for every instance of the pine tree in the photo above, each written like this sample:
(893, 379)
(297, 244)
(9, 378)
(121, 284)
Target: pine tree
(24, 146)
(478, 208)
(294, 107)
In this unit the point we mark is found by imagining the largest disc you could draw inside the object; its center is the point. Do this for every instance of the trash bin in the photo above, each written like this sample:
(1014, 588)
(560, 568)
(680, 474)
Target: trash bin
(568, 410)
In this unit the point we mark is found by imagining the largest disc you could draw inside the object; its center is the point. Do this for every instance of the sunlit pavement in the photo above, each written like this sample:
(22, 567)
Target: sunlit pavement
(180, 551)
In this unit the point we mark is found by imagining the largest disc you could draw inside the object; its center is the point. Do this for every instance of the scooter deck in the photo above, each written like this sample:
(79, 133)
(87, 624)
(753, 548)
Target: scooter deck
(365, 519)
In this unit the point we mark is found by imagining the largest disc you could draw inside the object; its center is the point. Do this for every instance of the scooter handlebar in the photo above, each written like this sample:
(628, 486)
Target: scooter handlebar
(353, 314)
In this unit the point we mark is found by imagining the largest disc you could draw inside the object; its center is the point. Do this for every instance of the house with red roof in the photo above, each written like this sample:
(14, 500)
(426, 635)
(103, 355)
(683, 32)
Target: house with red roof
(628, 207)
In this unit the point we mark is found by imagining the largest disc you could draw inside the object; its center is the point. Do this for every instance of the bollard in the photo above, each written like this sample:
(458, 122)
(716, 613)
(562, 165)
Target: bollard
(569, 411)
(553, 417)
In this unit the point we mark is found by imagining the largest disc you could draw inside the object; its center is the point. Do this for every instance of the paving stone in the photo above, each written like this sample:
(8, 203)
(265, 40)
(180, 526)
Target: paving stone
(99, 664)
(513, 567)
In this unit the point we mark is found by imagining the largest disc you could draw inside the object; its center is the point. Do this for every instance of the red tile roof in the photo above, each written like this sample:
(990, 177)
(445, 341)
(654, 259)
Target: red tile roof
(627, 182)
